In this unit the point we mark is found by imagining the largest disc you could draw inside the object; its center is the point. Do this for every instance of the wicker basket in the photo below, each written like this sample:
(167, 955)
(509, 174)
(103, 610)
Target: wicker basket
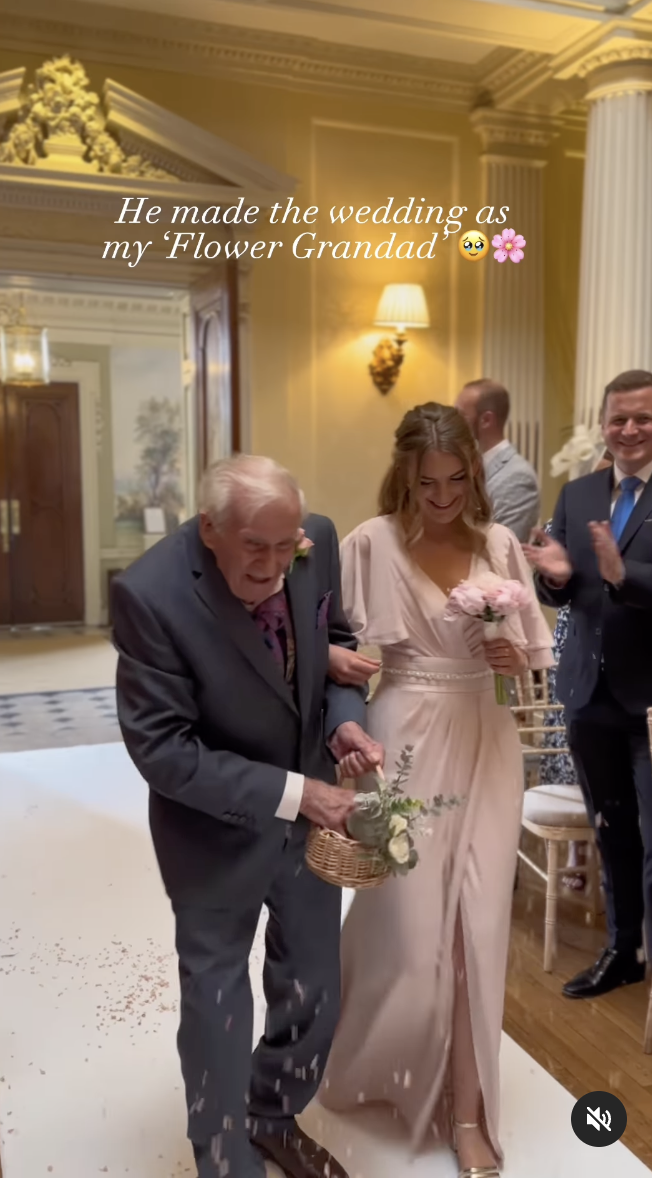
(344, 862)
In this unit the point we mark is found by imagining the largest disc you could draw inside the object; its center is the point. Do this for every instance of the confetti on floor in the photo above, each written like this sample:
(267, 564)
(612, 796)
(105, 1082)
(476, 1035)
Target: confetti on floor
(89, 1077)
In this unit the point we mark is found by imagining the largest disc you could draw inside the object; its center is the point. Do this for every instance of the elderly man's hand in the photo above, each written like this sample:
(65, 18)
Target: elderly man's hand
(355, 751)
(327, 806)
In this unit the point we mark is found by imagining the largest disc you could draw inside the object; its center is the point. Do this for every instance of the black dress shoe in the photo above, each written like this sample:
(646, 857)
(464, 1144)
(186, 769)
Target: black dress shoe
(211, 1164)
(298, 1156)
(612, 969)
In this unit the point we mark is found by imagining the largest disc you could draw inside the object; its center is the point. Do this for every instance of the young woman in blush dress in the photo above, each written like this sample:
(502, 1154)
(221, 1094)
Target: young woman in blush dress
(424, 956)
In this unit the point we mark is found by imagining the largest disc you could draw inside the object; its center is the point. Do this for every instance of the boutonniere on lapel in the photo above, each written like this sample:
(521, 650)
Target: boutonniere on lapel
(301, 548)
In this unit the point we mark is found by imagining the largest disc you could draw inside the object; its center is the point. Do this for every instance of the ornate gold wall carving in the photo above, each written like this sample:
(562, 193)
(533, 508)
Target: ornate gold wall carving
(61, 124)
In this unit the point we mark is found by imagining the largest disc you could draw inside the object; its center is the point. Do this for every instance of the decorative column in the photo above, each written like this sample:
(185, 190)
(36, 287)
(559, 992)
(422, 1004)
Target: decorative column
(615, 299)
(513, 331)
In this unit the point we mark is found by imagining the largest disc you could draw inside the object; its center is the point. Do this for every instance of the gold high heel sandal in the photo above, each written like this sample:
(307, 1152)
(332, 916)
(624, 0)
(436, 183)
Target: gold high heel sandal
(473, 1171)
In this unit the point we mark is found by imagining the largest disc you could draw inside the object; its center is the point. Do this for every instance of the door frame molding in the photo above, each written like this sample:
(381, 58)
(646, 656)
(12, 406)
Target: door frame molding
(86, 375)
(216, 297)
(54, 289)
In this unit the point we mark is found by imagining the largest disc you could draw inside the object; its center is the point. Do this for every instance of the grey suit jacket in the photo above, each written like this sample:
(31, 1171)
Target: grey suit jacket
(206, 714)
(513, 489)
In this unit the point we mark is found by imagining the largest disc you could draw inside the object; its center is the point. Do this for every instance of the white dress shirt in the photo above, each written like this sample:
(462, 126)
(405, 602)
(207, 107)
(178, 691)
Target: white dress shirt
(290, 803)
(643, 474)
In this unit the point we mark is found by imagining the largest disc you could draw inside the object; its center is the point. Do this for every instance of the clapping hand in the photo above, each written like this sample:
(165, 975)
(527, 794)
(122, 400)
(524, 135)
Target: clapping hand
(610, 562)
(549, 558)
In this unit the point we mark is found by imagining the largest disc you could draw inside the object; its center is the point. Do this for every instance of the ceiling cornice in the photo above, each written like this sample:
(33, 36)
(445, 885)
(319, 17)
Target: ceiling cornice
(518, 78)
(121, 36)
(508, 128)
(575, 118)
(125, 37)
(620, 48)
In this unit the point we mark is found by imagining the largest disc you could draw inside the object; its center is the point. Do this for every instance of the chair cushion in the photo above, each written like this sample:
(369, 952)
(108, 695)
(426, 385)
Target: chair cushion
(555, 805)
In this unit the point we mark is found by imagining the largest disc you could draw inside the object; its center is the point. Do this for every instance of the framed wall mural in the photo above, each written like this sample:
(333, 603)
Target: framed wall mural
(149, 439)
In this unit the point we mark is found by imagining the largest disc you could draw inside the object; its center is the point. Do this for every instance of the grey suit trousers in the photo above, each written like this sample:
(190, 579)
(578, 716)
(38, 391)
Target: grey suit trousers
(231, 1096)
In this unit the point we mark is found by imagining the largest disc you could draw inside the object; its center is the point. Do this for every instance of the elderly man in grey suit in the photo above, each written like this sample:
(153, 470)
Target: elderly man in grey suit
(226, 709)
(512, 484)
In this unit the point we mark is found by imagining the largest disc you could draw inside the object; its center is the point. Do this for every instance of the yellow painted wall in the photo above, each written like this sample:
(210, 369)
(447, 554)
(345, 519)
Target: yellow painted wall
(562, 229)
(336, 428)
(314, 406)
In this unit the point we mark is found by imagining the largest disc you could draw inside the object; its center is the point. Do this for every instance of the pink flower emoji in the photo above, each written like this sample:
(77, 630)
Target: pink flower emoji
(508, 244)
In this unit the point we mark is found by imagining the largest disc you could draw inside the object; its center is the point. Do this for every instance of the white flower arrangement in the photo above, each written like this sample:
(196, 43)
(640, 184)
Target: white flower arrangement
(579, 454)
(386, 821)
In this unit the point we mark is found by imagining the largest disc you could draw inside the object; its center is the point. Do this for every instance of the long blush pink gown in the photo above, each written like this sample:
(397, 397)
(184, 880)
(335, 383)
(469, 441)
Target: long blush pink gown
(436, 694)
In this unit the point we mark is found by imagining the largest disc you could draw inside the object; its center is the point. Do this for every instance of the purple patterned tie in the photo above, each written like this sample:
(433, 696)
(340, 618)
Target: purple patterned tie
(273, 620)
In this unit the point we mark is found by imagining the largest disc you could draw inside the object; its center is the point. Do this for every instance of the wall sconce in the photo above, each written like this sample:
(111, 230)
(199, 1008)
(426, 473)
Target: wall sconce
(400, 307)
(24, 350)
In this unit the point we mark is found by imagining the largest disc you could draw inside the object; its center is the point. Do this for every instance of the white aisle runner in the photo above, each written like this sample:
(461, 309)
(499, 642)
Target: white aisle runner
(89, 1077)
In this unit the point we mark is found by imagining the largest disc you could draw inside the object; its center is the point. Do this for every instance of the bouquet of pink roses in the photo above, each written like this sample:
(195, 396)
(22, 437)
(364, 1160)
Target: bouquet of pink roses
(491, 601)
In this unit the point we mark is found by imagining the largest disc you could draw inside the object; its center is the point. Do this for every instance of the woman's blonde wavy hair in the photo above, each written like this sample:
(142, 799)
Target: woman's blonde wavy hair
(426, 428)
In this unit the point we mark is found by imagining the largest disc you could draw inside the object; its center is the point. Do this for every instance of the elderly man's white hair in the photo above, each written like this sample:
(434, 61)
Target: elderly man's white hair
(251, 481)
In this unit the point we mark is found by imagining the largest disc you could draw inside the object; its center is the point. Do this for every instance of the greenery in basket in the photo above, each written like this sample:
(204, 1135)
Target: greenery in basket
(385, 820)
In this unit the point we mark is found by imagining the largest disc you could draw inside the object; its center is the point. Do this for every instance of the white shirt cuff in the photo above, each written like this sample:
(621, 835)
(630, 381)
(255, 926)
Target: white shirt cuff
(290, 803)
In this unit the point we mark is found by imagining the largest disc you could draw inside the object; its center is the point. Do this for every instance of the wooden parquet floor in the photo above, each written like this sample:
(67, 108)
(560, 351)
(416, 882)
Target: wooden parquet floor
(587, 1046)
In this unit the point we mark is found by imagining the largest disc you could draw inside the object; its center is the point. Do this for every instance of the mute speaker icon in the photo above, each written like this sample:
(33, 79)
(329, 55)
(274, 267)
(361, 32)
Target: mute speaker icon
(594, 1118)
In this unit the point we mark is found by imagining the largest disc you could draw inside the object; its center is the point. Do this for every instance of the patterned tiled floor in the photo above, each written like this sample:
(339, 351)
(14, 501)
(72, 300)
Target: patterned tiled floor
(58, 719)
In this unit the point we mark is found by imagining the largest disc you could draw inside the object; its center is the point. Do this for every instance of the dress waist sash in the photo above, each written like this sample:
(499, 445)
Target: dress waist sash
(436, 674)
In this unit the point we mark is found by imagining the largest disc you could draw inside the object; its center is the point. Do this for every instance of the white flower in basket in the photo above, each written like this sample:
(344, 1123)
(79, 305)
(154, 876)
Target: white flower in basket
(385, 820)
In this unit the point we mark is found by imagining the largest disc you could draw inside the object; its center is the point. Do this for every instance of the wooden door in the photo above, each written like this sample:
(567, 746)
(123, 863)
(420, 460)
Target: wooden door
(45, 504)
(214, 302)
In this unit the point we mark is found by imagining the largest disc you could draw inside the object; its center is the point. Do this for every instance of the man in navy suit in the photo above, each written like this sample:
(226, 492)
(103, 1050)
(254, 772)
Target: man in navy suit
(227, 710)
(598, 560)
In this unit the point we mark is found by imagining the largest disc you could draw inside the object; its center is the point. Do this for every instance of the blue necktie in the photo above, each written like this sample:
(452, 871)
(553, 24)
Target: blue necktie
(625, 504)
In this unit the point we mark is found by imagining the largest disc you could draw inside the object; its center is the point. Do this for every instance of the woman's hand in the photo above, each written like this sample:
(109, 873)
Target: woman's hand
(548, 558)
(348, 668)
(504, 658)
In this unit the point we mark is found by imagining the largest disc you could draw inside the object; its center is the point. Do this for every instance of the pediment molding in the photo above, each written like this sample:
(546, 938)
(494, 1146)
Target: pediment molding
(136, 119)
(64, 148)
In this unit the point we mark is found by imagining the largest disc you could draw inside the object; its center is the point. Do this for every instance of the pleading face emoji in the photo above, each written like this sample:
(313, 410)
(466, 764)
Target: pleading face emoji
(473, 246)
